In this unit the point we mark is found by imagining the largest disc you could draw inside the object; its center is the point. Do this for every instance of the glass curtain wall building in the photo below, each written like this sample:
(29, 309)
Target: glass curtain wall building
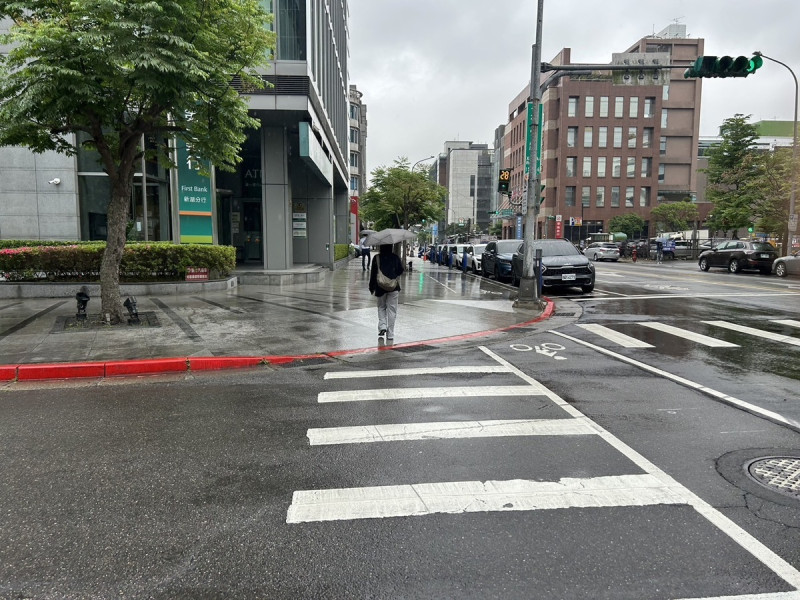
(288, 201)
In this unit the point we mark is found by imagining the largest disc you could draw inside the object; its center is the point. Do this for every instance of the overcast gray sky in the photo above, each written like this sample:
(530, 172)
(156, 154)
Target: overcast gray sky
(439, 70)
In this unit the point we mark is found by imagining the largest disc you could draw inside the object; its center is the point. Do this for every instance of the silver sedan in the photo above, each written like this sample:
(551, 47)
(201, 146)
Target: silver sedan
(787, 265)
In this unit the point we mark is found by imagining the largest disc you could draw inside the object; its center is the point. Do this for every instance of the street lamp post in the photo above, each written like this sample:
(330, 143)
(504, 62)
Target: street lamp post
(792, 215)
(419, 161)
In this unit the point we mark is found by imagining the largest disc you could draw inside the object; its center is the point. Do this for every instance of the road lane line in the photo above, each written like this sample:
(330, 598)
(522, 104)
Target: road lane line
(430, 392)
(689, 335)
(760, 551)
(416, 371)
(474, 496)
(789, 322)
(448, 430)
(768, 596)
(768, 335)
(682, 296)
(618, 338)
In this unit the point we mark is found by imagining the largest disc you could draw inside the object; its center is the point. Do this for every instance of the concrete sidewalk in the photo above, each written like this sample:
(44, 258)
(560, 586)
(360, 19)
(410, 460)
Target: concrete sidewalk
(249, 324)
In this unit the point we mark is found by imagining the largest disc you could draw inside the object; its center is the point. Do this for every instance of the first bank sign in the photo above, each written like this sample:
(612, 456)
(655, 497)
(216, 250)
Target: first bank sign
(195, 201)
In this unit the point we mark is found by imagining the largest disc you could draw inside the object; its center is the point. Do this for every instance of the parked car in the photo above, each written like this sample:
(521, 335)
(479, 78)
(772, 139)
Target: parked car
(739, 255)
(787, 265)
(602, 251)
(458, 253)
(496, 259)
(474, 255)
(562, 265)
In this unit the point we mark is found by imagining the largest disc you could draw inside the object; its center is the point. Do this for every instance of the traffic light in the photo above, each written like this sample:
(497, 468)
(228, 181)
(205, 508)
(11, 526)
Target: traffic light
(723, 66)
(503, 179)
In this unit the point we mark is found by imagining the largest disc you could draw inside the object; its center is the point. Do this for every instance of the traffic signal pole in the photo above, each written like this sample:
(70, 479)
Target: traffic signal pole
(529, 284)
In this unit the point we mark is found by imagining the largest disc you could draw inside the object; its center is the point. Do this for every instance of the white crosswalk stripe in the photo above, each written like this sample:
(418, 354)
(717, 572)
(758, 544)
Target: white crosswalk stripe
(789, 322)
(689, 335)
(429, 392)
(760, 333)
(446, 430)
(616, 337)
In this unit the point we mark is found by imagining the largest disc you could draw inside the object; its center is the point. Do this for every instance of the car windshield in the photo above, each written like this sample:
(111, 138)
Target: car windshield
(556, 248)
(762, 247)
(507, 246)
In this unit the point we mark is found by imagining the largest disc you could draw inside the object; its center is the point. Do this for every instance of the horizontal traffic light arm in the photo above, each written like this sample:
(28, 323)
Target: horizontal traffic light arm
(548, 67)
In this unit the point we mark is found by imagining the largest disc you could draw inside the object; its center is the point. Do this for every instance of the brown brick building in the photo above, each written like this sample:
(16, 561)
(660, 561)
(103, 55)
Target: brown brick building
(613, 142)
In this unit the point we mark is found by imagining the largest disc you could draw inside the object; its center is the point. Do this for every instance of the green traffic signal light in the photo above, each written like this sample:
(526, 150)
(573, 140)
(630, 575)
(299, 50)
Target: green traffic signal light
(723, 66)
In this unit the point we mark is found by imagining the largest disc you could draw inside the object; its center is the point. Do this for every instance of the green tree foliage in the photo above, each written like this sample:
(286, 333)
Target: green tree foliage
(398, 197)
(110, 72)
(769, 192)
(675, 216)
(631, 224)
(732, 165)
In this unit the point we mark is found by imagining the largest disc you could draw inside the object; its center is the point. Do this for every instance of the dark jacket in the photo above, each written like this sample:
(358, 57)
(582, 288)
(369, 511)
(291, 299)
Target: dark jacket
(390, 265)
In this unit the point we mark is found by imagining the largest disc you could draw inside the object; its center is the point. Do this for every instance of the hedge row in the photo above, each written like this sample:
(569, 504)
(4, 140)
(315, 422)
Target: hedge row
(141, 261)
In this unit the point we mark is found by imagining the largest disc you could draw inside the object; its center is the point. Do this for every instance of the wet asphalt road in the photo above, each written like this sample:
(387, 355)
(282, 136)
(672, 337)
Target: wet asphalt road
(207, 486)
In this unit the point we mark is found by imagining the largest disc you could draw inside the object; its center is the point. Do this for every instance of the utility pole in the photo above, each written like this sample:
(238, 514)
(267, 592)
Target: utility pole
(529, 283)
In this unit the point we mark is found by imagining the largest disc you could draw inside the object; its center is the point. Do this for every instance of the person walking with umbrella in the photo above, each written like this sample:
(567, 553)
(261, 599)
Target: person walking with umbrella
(365, 249)
(384, 277)
(384, 284)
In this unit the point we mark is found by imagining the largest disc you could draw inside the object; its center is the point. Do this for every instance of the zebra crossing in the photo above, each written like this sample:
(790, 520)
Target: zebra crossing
(623, 340)
(647, 486)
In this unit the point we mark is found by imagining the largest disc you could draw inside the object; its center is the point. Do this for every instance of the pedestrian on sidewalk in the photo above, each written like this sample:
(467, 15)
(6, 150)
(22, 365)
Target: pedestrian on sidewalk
(391, 267)
(364, 253)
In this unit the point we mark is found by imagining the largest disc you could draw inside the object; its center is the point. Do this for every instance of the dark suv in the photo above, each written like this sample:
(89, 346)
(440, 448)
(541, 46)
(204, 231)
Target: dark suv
(739, 255)
(562, 265)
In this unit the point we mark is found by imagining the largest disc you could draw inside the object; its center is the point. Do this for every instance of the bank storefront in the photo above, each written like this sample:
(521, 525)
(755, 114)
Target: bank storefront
(286, 204)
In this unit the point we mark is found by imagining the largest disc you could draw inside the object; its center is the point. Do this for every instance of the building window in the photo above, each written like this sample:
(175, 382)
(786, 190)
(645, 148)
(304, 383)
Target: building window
(572, 166)
(665, 92)
(647, 137)
(649, 108)
(588, 106)
(617, 137)
(587, 137)
(631, 170)
(629, 197)
(603, 106)
(615, 197)
(647, 167)
(602, 137)
(616, 166)
(644, 196)
(355, 112)
(572, 106)
(355, 135)
(586, 196)
(569, 199)
(354, 183)
(633, 108)
(632, 137)
(618, 106)
(664, 114)
(572, 136)
(354, 160)
(601, 166)
(587, 166)
(661, 173)
(662, 146)
(600, 197)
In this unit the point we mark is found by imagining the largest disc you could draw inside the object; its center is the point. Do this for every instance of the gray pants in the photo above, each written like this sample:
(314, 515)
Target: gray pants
(387, 312)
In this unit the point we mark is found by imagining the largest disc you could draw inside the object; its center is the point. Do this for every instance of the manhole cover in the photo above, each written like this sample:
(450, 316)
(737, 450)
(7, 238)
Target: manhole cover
(779, 473)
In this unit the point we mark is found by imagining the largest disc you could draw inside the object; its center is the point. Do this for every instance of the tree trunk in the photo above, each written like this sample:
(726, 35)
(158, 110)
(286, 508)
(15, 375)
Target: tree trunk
(111, 301)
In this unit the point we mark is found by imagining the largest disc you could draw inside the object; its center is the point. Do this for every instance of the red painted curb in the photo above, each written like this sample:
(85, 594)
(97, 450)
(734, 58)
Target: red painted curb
(8, 372)
(60, 371)
(210, 363)
(282, 360)
(148, 366)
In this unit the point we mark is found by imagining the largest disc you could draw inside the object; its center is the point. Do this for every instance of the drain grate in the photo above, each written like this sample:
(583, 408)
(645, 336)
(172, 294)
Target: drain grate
(779, 473)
